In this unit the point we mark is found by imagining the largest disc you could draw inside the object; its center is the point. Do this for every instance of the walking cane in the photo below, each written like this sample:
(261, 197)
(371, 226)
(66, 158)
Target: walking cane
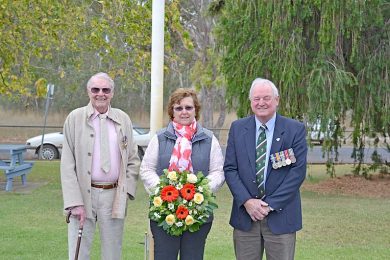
(80, 233)
(76, 255)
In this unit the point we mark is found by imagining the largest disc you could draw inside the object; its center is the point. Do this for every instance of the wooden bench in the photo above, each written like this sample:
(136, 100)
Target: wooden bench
(16, 166)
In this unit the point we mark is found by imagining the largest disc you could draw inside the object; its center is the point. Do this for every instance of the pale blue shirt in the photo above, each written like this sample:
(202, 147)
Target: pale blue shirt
(269, 133)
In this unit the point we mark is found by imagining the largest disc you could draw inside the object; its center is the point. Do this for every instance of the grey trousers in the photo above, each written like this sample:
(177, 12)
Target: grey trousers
(110, 229)
(251, 245)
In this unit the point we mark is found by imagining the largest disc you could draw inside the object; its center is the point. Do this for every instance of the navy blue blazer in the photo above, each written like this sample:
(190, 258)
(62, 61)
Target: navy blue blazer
(282, 184)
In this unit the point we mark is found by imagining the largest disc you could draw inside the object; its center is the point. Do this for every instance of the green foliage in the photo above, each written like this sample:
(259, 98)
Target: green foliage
(326, 57)
(65, 42)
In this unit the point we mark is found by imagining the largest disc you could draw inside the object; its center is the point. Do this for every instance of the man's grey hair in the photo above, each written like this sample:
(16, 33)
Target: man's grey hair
(101, 75)
(263, 81)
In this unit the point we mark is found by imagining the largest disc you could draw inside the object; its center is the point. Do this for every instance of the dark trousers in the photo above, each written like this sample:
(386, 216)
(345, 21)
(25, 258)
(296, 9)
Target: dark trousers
(190, 245)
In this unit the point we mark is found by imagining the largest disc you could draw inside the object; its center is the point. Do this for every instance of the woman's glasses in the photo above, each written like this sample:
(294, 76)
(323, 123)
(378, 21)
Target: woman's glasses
(104, 90)
(187, 108)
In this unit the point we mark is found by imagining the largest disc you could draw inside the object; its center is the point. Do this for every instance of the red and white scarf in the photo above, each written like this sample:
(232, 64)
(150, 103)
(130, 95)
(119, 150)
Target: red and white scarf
(181, 154)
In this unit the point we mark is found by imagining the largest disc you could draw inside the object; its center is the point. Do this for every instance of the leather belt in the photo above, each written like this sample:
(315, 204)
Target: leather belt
(105, 186)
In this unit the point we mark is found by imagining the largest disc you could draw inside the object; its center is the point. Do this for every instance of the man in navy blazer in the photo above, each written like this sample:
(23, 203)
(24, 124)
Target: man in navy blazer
(270, 222)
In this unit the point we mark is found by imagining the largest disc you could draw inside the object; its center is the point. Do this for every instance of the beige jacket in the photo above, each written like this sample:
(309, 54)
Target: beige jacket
(76, 160)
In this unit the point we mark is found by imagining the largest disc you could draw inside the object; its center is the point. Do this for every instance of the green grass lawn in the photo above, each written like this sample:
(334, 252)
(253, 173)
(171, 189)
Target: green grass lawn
(335, 227)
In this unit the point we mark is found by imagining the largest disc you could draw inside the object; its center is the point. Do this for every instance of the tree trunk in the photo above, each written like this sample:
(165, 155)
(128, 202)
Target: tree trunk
(207, 107)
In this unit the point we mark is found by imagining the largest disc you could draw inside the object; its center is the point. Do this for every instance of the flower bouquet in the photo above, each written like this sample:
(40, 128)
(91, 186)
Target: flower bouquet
(182, 201)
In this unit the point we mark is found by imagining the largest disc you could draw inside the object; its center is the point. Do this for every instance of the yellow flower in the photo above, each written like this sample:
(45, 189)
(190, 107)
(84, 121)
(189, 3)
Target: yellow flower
(170, 219)
(198, 198)
(172, 176)
(191, 178)
(189, 220)
(157, 201)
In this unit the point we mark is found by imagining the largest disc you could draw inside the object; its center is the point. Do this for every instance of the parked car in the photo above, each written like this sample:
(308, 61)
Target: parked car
(52, 143)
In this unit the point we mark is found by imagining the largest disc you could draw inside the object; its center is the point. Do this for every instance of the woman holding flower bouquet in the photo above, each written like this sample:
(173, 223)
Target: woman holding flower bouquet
(181, 169)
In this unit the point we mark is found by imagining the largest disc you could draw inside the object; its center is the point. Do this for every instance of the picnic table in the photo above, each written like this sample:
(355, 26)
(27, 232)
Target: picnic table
(15, 166)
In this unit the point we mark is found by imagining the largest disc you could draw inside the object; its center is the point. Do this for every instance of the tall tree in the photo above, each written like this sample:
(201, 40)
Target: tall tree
(205, 73)
(64, 42)
(327, 58)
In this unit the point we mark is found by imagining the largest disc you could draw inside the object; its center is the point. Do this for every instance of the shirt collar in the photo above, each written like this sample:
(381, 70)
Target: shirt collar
(96, 113)
(270, 124)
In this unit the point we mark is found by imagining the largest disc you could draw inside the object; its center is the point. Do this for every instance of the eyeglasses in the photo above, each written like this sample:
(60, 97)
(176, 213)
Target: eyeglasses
(104, 90)
(187, 108)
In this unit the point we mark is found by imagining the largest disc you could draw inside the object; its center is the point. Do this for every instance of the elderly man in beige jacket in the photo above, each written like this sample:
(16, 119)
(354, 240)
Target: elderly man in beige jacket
(98, 175)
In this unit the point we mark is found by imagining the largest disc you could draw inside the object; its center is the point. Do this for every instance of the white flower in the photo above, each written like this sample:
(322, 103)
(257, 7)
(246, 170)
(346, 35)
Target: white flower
(190, 204)
(200, 188)
(172, 176)
(179, 224)
(179, 186)
(170, 219)
(171, 206)
(198, 198)
(157, 201)
(189, 220)
(191, 178)
(157, 215)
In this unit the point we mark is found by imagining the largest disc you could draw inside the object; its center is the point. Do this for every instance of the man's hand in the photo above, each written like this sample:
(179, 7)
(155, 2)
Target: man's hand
(257, 209)
(79, 213)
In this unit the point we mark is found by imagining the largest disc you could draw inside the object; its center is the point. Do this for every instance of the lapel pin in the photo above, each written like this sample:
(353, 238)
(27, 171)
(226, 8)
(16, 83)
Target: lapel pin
(278, 139)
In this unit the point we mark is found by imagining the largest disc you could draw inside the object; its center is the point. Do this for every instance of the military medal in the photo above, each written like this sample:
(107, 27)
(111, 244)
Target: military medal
(274, 165)
(288, 161)
(283, 159)
(292, 156)
(124, 142)
(278, 162)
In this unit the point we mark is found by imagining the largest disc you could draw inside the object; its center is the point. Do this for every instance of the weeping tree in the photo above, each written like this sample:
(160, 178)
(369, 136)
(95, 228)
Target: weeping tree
(329, 59)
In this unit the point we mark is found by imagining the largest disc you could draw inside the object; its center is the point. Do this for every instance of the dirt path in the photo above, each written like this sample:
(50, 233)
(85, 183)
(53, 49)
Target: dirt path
(377, 187)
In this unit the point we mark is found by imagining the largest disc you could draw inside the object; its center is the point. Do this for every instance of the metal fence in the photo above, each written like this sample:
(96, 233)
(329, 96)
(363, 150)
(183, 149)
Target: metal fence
(20, 133)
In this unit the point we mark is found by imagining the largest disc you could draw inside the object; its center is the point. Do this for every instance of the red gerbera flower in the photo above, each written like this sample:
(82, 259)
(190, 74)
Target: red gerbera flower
(181, 212)
(188, 191)
(169, 193)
